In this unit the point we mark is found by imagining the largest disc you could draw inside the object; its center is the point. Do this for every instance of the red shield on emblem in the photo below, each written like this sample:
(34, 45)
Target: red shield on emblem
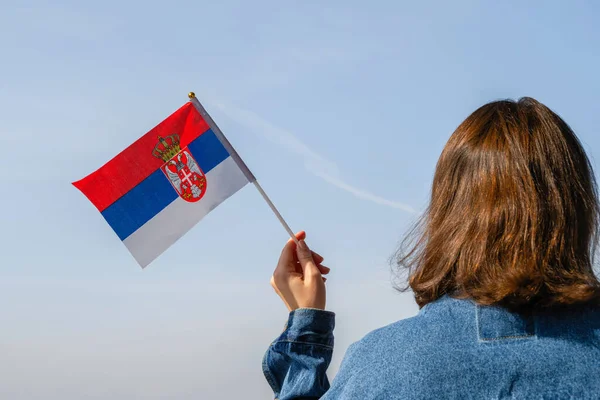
(185, 175)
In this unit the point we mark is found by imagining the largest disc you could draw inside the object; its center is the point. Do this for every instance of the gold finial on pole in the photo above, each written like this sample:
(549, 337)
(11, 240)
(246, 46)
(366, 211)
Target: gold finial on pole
(191, 95)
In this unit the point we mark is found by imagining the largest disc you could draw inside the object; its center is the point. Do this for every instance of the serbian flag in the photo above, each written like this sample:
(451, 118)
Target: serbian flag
(158, 188)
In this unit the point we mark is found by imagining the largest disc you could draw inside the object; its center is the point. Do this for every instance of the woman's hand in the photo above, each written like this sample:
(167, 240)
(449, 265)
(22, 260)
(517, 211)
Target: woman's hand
(298, 278)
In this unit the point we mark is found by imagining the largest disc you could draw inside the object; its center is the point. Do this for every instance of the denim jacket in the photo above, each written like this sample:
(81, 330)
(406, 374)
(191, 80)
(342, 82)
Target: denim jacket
(453, 349)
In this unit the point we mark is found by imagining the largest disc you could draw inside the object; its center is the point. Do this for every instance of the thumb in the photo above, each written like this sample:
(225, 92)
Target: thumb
(306, 260)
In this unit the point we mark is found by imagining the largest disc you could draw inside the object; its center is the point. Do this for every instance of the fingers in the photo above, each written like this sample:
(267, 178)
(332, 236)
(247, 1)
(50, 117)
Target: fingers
(323, 269)
(295, 260)
(317, 257)
(309, 267)
(298, 278)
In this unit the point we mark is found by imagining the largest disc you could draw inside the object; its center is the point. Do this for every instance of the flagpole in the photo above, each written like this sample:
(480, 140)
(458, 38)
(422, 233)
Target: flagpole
(238, 160)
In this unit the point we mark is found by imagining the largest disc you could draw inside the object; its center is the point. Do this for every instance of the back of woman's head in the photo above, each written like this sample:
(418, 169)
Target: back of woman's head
(513, 214)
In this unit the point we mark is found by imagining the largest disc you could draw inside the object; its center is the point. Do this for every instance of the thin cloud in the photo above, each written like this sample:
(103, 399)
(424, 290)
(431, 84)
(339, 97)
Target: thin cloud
(362, 194)
(315, 163)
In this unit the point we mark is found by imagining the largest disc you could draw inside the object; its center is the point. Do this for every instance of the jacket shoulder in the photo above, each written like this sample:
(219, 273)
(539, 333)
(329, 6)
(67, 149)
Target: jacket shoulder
(389, 360)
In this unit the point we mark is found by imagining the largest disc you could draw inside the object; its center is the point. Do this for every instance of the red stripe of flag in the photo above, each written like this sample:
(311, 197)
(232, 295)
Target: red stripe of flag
(134, 164)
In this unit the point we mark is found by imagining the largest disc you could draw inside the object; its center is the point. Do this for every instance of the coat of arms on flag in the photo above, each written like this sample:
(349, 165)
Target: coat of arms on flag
(181, 168)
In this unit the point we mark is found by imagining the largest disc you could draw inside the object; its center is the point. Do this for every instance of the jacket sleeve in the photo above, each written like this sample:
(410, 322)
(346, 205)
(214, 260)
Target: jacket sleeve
(296, 362)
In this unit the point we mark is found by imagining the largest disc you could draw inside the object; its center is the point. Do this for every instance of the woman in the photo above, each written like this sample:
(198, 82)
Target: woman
(500, 266)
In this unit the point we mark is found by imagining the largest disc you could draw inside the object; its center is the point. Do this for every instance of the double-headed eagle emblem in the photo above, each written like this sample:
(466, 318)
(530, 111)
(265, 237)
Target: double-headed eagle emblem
(180, 168)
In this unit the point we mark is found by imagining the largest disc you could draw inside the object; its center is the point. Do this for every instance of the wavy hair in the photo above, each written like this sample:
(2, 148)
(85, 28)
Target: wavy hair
(513, 215)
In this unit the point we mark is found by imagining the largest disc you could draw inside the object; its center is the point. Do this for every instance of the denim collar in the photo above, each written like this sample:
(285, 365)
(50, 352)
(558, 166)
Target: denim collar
(493, 323)
(496, 323)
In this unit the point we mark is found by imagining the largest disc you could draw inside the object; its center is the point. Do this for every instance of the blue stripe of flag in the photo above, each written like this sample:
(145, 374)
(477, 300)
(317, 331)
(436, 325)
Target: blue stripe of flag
(154, 193)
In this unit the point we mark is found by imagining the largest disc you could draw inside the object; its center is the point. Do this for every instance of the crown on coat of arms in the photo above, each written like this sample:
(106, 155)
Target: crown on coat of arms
(167, 147)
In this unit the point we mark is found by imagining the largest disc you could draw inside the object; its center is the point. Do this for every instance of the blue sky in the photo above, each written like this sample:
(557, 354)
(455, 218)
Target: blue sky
(340, 108)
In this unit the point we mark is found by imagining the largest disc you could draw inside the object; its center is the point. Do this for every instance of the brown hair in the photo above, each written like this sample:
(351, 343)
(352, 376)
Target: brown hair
(513, 216)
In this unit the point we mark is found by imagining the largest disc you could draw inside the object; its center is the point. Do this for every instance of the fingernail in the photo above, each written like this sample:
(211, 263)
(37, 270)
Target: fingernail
(302, 245)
